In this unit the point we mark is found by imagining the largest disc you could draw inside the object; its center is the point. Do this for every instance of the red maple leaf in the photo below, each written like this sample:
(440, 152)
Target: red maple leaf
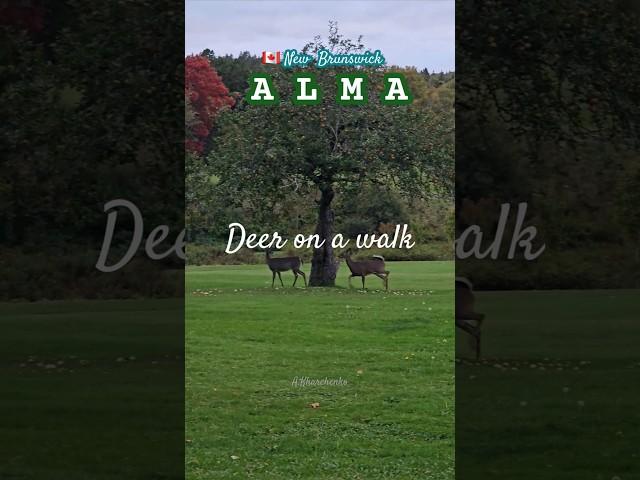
(271, 56)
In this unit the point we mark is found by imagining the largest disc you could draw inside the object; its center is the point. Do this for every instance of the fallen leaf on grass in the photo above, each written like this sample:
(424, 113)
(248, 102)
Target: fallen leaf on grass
(314, 405)
(234, 457)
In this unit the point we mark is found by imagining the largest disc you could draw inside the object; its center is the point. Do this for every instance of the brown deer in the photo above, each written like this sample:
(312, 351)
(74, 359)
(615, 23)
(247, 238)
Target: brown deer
(467, 319)
(283, 264)
(362, 268)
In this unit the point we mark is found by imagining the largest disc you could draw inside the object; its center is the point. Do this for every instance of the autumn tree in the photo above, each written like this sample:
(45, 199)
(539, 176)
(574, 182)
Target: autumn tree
(263, 152)
(207, 96)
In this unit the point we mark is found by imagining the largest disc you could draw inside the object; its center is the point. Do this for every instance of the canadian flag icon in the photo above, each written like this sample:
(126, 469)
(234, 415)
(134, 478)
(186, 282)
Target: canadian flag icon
(270, 57)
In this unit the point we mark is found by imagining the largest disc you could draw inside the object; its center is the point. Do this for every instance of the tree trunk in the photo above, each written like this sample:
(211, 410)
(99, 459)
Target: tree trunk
(323, 264)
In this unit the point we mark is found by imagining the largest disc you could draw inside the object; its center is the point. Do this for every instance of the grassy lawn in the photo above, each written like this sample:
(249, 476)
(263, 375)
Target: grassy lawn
(91, 390)
(557, 394)
(246, 343)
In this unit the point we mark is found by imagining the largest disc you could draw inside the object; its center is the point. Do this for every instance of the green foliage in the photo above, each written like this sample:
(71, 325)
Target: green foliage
(363, 211)
(235, 71)
(199, 254)
(265, 151)
(74, 131)
(31, 276)
(436, 92)
(577, 268)
(557, 81)
(544, 122)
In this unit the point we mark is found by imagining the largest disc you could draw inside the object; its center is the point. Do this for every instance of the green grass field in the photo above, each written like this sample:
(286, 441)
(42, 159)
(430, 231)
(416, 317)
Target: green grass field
(246, 343)
(91, 390)
(557, 393)
(554, 397)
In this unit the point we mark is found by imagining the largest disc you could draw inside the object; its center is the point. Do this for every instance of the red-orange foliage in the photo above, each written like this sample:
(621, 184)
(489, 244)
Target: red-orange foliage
(207, 94)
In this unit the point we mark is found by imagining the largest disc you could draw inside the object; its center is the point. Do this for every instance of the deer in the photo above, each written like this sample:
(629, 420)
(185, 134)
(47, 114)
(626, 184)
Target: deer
(362, 268)
(467, 319)
(283, 264)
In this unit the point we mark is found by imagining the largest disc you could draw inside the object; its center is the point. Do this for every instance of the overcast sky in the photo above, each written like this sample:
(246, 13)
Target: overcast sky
(416, 32)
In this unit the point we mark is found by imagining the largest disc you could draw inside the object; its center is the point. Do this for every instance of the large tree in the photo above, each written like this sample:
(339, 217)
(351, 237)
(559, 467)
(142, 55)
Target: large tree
(264, 151)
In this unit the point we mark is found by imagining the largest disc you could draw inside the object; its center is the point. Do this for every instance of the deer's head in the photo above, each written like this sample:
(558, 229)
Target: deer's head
(346, 254)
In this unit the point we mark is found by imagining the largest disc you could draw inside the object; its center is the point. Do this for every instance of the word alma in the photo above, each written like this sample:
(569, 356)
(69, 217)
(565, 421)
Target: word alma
(351, 89)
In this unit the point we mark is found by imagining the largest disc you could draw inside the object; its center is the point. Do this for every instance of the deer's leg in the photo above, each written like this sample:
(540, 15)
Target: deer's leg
(304, 277)
(296, 277)
(471, 330)
(273, 279)
(463, 324)
(363, 282)
(383, 277)
(280, 277)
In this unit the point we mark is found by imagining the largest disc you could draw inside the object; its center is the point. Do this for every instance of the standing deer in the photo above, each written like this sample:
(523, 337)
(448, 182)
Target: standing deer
(283, 264)
(363, 268)
(466, 317)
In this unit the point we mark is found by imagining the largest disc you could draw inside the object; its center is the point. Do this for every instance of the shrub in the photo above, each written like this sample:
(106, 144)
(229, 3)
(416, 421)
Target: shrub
(54, 275)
